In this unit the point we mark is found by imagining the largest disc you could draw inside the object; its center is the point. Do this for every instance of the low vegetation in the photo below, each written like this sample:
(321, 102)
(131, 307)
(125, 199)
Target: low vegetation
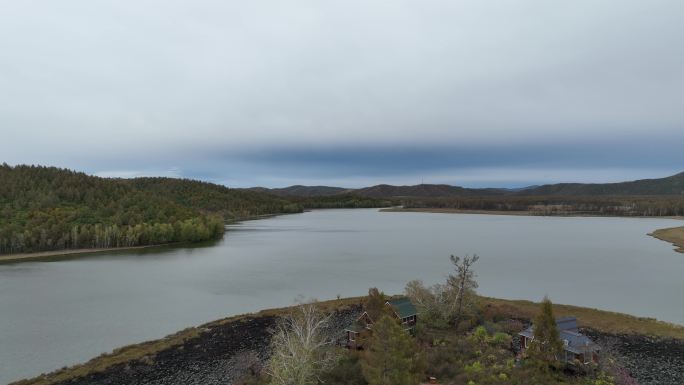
(486, 311)
(459, 339)
(600, 320)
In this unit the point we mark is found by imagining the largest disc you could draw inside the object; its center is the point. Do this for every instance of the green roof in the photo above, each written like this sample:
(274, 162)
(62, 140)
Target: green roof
(403, 307)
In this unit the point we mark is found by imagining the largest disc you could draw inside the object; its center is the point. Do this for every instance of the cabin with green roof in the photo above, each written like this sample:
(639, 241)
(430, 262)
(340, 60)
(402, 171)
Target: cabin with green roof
(402, 308)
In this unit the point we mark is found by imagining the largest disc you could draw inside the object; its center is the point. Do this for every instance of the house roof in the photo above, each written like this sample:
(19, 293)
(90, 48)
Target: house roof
(567, 323)
(576, 342)
(563, 323)
(568, 331)
(403, 307)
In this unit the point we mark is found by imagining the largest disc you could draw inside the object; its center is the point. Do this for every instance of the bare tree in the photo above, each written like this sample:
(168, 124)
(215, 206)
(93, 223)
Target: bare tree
(463, 283)
(436, 303)
(301, 347)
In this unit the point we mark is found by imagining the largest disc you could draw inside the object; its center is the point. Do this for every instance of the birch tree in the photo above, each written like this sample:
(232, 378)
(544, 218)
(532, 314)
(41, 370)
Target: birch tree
(437, 303)
(301, 347)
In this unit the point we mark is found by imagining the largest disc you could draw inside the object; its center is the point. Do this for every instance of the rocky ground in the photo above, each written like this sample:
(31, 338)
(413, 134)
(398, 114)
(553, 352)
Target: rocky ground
(220, 355)
(650, 361)
(225, 352)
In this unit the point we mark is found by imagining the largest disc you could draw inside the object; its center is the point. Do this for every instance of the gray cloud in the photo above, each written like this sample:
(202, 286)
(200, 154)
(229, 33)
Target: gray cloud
(150, 86)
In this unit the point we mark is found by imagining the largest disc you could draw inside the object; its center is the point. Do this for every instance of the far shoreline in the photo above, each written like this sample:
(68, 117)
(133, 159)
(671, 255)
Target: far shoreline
(54, 254)
(661, 234)
(524, 213)
(25, 257)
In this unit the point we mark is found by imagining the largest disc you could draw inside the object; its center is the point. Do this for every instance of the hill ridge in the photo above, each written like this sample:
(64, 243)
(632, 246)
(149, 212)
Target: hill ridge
(671, 185)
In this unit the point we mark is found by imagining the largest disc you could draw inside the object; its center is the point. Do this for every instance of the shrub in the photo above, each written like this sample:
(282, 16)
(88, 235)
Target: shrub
(480, 335)
(501, 340)
(475, 367)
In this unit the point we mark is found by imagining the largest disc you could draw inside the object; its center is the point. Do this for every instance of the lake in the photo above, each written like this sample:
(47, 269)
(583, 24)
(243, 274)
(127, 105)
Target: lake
(66, 311)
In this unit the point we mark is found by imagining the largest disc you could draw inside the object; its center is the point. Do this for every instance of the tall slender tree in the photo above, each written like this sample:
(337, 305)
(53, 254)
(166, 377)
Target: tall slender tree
(546, 345)
(463, 283)
(392, 355)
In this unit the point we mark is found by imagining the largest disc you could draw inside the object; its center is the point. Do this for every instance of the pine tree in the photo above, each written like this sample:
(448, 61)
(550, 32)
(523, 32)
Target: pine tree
(547, 345)
(375, 304)
(391, 358)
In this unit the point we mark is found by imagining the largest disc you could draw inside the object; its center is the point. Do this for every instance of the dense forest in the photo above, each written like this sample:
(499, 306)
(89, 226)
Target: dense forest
(634, 206)
(346, 201)
(46, 208)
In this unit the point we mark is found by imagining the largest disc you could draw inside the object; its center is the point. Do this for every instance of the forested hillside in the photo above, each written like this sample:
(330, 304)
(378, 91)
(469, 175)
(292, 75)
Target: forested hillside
(46, 208)
(425, 190)
(671, 185)
(344, 201)
(304, 191)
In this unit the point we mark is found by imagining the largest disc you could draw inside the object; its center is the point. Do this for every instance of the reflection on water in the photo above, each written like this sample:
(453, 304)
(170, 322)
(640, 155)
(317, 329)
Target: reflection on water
(68, 310)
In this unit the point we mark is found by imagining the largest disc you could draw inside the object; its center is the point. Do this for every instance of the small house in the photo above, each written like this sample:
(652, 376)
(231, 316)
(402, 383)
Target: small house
(576, 346)
(402, 308)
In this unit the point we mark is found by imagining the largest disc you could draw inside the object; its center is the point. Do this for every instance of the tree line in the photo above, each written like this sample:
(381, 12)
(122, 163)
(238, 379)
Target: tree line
(47, 208)
(631, 206)
(457, 340)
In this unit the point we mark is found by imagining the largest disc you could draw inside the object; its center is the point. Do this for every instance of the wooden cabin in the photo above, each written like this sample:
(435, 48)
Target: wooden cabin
(401, 308)
(576, 346)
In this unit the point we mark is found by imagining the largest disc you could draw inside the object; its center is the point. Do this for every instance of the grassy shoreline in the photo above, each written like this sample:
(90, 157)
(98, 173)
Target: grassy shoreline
(604, 321)
(599, 320)
(673, 235)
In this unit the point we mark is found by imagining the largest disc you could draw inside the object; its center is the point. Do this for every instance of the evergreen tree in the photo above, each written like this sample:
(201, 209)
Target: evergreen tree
(546, 345)
(375, 304)
(392, 355)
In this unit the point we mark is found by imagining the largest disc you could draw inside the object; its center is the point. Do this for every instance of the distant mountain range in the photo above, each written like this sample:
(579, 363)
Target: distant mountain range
(672, 185)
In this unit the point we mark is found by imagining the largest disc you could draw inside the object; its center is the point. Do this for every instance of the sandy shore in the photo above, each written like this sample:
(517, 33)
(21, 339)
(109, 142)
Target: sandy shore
(674, 235)
(60, 253)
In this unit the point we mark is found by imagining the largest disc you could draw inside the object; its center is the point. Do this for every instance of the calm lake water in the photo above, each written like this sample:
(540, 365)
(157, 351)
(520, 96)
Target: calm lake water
(63, 312)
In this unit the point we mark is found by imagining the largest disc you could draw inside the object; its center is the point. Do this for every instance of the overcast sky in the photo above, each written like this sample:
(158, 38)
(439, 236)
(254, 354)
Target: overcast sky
(349, 93)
